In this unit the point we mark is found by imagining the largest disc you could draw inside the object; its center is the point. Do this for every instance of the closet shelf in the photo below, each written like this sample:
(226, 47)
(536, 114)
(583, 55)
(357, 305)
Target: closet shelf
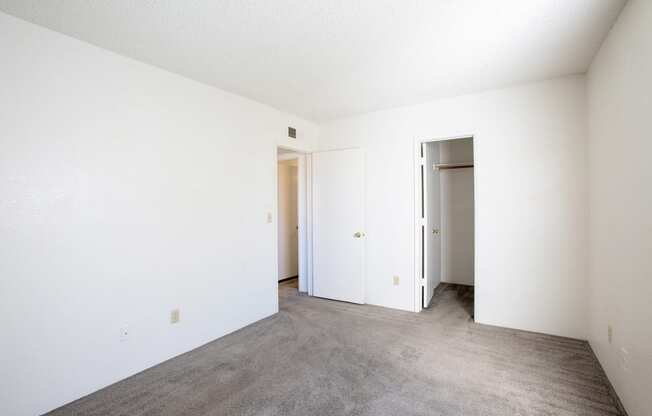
(442, 166)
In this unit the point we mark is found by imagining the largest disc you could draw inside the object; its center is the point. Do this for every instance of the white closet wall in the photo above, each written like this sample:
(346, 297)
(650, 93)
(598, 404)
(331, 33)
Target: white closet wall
(457, 217)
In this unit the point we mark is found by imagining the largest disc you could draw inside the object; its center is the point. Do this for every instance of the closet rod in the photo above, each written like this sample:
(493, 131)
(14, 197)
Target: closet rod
(442, 166)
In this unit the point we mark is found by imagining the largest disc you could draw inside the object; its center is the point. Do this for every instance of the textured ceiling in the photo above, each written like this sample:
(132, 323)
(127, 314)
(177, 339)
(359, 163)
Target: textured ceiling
(332, 58)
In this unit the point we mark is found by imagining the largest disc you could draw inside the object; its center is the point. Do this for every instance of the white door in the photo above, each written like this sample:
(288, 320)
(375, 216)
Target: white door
(431, 231)
(338, 225)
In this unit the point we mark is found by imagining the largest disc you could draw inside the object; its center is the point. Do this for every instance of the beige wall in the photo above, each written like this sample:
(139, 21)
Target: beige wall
(288, 259)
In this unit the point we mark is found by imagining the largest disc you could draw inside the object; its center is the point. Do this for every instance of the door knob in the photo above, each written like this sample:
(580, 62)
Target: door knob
(358, 235)
(435, 230)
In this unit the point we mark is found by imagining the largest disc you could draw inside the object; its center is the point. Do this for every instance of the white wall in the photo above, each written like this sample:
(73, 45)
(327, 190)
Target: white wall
(620, 160)
(123, 195)
(457, 213)
(530, 151)
(288, 244)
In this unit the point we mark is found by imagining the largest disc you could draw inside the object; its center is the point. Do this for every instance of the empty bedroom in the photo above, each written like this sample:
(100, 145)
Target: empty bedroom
(325, 207)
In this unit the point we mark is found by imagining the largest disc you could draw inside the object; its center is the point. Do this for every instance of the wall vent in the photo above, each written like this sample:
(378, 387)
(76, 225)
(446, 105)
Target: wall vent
(292, 132)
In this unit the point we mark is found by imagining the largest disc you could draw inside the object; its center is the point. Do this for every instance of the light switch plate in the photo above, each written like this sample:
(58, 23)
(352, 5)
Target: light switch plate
(175, 316)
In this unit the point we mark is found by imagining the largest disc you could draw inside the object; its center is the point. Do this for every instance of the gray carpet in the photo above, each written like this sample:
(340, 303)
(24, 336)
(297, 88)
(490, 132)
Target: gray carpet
(320, 357)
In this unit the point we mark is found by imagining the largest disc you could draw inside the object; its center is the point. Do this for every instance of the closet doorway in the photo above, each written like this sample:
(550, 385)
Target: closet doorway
(445, 226)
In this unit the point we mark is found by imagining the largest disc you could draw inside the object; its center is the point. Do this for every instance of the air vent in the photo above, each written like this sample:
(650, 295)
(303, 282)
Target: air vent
(292, 132)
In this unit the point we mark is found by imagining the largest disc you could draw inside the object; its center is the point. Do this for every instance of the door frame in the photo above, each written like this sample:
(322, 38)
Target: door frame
(420, 218)
(304, 213)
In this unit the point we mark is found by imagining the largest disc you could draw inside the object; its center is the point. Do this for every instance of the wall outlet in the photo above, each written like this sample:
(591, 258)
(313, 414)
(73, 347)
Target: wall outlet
(269, 218)
(175, 316)
(624, 359)
(124, 333)
(396, 280)
(610, 333)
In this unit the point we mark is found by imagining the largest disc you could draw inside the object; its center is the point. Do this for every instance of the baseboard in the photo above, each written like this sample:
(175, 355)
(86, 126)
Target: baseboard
(461, 284)
(610, 387)
(288, 278)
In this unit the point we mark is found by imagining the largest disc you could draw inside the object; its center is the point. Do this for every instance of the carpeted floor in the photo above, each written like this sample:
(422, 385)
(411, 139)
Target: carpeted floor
(320, 357)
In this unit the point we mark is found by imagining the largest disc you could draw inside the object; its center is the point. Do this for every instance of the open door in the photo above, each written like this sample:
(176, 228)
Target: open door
(338, 225)
(431, 257)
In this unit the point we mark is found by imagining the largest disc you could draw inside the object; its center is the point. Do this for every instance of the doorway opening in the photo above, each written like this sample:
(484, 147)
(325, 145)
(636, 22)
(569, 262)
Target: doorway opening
(293, 188)
(288, 220)
(445, 226)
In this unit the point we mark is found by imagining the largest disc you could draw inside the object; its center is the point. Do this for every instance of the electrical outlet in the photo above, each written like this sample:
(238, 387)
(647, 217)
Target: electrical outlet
(175, 316)
(397, 280)
(624, 359)
(610, 333)
(124, 333)
(269, 218)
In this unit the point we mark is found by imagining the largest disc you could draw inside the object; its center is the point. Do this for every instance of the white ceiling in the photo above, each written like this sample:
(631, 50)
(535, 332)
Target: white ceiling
(323, 59)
